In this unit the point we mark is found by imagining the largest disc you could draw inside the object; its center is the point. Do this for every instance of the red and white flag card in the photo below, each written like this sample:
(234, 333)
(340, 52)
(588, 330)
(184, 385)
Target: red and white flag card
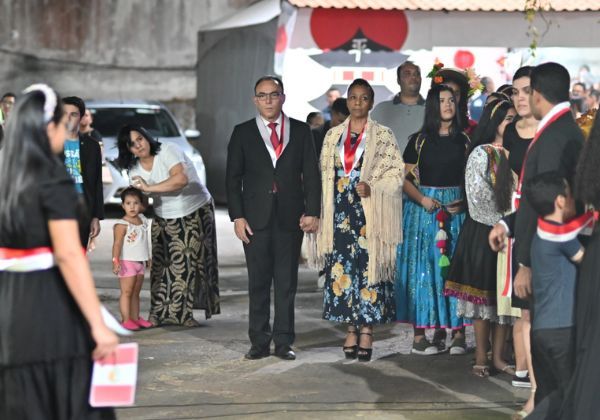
(114, 379)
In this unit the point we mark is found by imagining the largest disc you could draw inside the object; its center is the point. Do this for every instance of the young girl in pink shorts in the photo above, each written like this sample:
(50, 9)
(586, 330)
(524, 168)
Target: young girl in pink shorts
(131, 254)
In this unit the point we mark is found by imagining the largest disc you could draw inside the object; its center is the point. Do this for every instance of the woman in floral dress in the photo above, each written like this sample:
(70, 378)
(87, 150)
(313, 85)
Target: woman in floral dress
(361, 222)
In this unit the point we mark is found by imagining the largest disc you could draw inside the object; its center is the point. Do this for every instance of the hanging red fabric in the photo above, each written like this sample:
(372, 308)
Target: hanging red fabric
(349, 150)
(517, 199)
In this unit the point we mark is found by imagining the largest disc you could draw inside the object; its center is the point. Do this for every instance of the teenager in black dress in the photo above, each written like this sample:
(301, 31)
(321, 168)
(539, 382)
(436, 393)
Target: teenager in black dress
(50, 322)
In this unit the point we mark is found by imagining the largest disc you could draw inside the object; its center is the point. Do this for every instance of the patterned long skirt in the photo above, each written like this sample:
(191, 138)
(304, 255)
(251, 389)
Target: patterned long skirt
(185, 273)
(420, 296)
(347, 297)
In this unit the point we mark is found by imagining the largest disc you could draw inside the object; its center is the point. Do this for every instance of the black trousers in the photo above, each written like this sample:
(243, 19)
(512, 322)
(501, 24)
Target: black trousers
(272, 257)
(553, 356)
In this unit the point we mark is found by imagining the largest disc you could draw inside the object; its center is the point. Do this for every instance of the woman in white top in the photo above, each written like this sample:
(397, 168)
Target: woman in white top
(184, 272)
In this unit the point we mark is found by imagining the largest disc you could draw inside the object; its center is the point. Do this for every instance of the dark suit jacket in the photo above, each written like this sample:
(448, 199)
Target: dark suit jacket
(319, 136)
(250, 177)
(557, 149)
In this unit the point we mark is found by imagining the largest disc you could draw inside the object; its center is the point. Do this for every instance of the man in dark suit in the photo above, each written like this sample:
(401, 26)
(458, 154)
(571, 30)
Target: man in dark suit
(273, 193)
(83, 160)
(556, 147)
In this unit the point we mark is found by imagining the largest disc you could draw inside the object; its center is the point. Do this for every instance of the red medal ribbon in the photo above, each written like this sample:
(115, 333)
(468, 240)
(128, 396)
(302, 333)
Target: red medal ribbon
(535, 139)
(567, 231)
(349, 150)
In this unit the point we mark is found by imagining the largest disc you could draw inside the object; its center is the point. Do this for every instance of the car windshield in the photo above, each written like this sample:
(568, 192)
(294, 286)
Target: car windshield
(108, 121)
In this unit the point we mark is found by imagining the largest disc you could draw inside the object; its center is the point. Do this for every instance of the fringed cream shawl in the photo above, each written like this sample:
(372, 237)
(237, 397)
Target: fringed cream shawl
(383, 170)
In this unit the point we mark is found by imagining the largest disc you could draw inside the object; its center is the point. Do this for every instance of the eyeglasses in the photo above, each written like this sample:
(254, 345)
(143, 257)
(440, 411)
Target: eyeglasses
(273, 95)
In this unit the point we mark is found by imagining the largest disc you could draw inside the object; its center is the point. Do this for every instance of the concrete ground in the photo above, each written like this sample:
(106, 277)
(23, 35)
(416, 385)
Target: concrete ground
(197, 373)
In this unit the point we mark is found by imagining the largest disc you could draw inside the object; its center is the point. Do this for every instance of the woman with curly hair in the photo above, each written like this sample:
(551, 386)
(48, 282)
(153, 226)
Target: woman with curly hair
(581, 400)
(489, 185)
(184, 272)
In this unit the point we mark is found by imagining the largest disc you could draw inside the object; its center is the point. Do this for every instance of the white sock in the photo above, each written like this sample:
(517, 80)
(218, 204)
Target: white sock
(521, 373)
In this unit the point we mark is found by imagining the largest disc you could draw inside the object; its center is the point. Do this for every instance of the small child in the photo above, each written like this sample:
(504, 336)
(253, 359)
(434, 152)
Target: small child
(131, 250)
(555, 250)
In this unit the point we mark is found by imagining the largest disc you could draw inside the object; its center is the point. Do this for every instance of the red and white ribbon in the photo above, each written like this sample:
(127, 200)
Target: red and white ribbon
(581, 225)
(560, 111)
(25, 260)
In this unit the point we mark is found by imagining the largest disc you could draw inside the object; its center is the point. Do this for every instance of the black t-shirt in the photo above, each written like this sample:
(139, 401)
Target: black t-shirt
(442, 160)
(52, 198)
(517, 147)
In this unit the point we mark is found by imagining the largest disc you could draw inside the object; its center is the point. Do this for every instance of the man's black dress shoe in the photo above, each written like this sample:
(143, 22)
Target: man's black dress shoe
(285, 353)
(256, 353)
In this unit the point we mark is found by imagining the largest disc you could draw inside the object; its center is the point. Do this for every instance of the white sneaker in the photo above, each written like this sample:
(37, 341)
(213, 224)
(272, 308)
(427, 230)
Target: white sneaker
(424, 348)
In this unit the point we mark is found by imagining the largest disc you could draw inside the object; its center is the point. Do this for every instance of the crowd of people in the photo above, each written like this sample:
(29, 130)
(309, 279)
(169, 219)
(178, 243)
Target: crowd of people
(413, 212)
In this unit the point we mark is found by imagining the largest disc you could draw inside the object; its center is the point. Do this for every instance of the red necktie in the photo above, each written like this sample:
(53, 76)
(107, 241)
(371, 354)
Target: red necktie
(275, 139)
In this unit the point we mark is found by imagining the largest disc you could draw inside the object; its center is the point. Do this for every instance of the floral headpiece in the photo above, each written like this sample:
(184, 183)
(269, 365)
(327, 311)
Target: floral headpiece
(473, 80)
(434, 71)
(475, 84)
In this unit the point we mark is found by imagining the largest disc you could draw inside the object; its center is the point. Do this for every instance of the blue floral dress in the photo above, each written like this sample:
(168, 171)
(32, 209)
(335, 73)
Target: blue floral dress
(347, 297)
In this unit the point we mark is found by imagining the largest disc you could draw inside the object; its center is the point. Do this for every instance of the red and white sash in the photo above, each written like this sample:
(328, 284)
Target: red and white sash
(581, 225)
(560, 110)
(24, 260)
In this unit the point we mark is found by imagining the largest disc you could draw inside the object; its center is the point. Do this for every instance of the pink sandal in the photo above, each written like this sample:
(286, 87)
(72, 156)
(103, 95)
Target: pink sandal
(130, 325)
(144, 323)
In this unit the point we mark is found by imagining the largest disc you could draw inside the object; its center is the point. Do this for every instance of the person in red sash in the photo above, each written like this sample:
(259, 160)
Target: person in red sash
(555, 147)
(273, 194)
(555, 251)
(581, 400)
(362, 174)
(50, 318)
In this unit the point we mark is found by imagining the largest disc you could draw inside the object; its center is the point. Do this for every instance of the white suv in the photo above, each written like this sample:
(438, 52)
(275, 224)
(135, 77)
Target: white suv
(110, 116)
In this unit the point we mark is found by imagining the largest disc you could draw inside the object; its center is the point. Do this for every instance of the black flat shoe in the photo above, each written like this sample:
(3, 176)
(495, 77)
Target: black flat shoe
(285, 353)
(351, 351)
(364, 355)
(256, 353)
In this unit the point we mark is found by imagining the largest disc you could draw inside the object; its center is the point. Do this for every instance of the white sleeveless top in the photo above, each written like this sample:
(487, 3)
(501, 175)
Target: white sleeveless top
(137, 245)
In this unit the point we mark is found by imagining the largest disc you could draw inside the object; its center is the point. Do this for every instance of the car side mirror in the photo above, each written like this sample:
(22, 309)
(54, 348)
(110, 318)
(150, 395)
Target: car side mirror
(191, 134)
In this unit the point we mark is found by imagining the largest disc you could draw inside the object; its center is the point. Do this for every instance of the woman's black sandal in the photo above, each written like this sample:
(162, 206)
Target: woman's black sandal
(364, 355)
(351, 351)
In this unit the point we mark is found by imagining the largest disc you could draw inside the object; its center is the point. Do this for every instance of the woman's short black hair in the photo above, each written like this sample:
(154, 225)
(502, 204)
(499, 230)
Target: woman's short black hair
(363, 83)
(524, 71)
(126, 159)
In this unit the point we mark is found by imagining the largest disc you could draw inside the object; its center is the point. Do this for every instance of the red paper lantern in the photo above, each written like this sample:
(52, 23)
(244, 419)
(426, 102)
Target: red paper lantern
(464, 59)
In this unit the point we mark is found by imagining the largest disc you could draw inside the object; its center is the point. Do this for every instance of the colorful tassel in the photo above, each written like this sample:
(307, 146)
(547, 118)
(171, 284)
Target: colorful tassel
(444, 261)
(441, 236)
(441, 245)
